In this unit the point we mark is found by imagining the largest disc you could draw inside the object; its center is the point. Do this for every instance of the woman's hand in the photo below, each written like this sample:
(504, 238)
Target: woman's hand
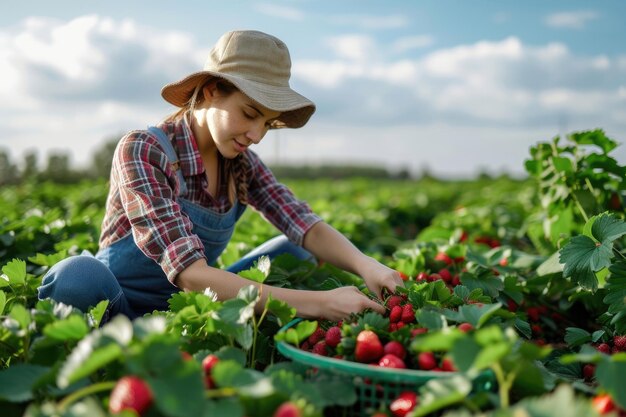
(339, 303)
(378, 276)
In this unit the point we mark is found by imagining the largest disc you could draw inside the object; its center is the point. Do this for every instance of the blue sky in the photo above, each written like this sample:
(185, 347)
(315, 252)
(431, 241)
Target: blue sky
(455, 87)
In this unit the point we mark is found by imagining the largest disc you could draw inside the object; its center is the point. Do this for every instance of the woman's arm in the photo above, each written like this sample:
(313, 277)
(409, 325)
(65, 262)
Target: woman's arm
(327, 244)
(334, 305)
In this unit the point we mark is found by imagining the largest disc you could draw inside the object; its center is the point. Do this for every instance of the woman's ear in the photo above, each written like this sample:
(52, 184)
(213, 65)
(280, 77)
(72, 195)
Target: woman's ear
(209, 91)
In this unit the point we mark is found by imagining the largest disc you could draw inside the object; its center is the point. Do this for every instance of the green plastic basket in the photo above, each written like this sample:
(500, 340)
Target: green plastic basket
(374, 385)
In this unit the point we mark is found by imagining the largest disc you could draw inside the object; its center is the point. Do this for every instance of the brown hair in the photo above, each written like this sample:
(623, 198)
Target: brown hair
(236, 169)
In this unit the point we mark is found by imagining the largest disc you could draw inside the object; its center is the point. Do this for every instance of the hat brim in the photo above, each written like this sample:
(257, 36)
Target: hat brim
(295, 109)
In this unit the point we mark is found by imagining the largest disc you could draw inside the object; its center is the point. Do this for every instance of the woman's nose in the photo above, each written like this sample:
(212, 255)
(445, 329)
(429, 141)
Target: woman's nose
(256, 133)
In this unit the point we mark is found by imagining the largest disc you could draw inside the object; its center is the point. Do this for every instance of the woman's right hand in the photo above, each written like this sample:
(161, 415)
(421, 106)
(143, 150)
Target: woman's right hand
(339, 303)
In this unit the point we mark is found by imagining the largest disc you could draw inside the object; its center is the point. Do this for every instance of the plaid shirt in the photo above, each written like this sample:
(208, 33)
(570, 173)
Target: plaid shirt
(143, 190)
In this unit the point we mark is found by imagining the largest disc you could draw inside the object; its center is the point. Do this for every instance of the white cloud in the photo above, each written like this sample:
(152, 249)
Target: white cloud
(353, 47)
(412, 42)
(571, 20)
(283, 12)
(366, 22)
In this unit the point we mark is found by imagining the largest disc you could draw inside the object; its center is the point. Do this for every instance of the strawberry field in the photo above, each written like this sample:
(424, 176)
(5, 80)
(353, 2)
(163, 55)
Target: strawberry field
(513, 305)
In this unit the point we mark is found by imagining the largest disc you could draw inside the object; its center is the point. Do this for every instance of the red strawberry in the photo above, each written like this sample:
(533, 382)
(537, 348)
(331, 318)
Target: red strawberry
(208, 363)
(368, 347)
(287, 409)
(533, 313)
(443, 257)
(422, 276)
(379, 414)
(447, 365)
(393, 327)
(465, 327)
(620, 343)
(604, 348)
(395, 348)
(395, 315)
(426, 361)
(418, 330)
(456, 280)
(402, 405)
(589, 371)
(186, 355)
(615, 201)
(603, 403)
(130, 393)
(320, 348)
(317, 335)
(504, 262)
(391, 361)
(333, 336)
(394, 300)
(512, 305)
(403, 276)
(434, 277)
(408, 315)
(445, 275)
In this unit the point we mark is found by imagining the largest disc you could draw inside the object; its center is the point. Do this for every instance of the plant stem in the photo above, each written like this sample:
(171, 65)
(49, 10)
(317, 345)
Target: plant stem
(580, 208)
(83, 392)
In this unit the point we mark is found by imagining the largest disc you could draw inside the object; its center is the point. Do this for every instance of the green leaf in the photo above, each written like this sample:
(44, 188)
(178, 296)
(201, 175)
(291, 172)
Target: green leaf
(594, 137)
(491, 285)
(223, 407)
(3, 301)
(575, 336)
(295, 336)
(476, 314)
(439, 393)
(283, 312)
(15, 270)
(71, 328)
(97, 312)
(610, 376)
(21, 315)
(17, 381)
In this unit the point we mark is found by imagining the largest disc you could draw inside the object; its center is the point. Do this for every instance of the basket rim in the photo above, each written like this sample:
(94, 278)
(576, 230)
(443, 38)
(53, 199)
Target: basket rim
(406, 376)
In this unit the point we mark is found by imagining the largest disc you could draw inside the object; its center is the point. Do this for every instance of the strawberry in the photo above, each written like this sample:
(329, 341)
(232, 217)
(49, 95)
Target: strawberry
(392, 327)
(208, 363)
(426, 361)
(391, 361)
(456, 280)
(512, 305)
(403, 276)
(603, 403)
(395, 348)
(408, 315)
(287, 409)
(317, 335)
(422, 276)
(445, 275)
(333, 336)
(394, 300)
(604, 348)
(447, 365)
(533, 313)
(504, 262)
(589, 371)
(434, 277)
(130, 393)
(465, 327)
(418, 330)
(395, 315)
(620, 343)
(320, 348)
(443, 257)
(615, 201)
(186, 355)
(402, 405)
(368, 347)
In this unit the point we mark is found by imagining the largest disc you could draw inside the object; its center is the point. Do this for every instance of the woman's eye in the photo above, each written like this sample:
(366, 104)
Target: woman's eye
(248, 115)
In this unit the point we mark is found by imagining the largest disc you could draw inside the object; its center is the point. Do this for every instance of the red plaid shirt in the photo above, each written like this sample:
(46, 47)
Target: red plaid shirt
(142, 199)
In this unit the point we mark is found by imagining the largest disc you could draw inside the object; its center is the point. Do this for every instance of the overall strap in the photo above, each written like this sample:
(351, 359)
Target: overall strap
(170, 152)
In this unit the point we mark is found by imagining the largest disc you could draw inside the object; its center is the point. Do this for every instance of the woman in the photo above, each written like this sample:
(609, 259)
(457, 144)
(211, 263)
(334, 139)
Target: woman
(177, 190)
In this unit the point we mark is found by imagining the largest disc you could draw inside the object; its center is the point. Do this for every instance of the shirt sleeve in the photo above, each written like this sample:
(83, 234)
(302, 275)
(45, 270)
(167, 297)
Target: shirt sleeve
(147, 187)
(277, 203)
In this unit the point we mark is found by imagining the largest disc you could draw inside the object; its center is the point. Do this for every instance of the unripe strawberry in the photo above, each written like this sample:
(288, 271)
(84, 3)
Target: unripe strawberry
(395, 315)
(288, 409)
(333, 336)
(426, 361)
(402, 405)
(465, 327)
(368, 347)
(395, 348)
(408, 315)
(130, 393)
(391, 361)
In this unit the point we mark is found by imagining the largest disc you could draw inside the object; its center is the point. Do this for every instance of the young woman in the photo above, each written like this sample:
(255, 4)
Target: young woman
(177, 190)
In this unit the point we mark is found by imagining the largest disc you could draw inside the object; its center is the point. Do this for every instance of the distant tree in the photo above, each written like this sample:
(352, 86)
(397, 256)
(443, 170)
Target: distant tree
(31, 166)
(58, 168)
(102, 158)
(8, 171)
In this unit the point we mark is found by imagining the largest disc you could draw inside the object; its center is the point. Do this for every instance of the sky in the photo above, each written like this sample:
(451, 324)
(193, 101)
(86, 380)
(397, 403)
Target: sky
(454, 87)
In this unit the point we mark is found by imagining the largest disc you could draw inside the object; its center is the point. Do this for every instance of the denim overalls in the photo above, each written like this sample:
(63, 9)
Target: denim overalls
(135, 284)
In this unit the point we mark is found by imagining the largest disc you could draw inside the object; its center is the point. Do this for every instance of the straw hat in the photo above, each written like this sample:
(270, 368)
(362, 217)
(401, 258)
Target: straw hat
(257, 64)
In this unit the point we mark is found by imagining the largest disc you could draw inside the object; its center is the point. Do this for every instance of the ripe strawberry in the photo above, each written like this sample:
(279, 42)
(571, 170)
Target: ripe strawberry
(395, 315)
(317, 335)
(620, 343)
(512, 305)
(447, 365)
(287, 409)
(394, 300)
(426, 361)
(208, 363)
(418, 330)
(130, 393)
(391, 361)
(434, 277)
(368, 347)
(422, 276)
(615, 201)
(395, 348)
(392, 327)
(465, 327)
(333, 336)
(408, 315)
(403, 276)
(320, 348)
(504, 262)
(445, 275)
(604, 348)
(533, 313)
(443, 257)
(603, 403)
(402, 405)
(456, 280)
(186, 355)
(589, 371)
(379, 414)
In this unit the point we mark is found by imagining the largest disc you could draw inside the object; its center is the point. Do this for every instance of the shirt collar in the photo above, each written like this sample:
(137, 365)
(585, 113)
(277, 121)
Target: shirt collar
(186, 146)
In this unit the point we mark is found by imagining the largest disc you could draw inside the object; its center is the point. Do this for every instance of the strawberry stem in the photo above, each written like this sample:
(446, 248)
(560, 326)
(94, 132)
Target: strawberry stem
(83, 392)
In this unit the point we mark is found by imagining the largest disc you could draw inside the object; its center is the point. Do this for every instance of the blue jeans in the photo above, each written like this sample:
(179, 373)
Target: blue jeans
(83, 281)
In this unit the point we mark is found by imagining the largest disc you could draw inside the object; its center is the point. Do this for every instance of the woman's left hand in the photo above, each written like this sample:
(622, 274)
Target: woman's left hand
(378, 276)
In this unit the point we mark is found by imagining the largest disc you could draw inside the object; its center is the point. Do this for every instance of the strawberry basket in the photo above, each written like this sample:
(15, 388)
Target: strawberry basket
(375, 386)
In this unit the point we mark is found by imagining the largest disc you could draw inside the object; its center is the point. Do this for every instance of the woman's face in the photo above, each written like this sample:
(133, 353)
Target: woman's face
(235, 121)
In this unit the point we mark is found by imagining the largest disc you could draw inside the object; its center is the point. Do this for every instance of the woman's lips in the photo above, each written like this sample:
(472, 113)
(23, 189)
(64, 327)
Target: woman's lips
(240, 147)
